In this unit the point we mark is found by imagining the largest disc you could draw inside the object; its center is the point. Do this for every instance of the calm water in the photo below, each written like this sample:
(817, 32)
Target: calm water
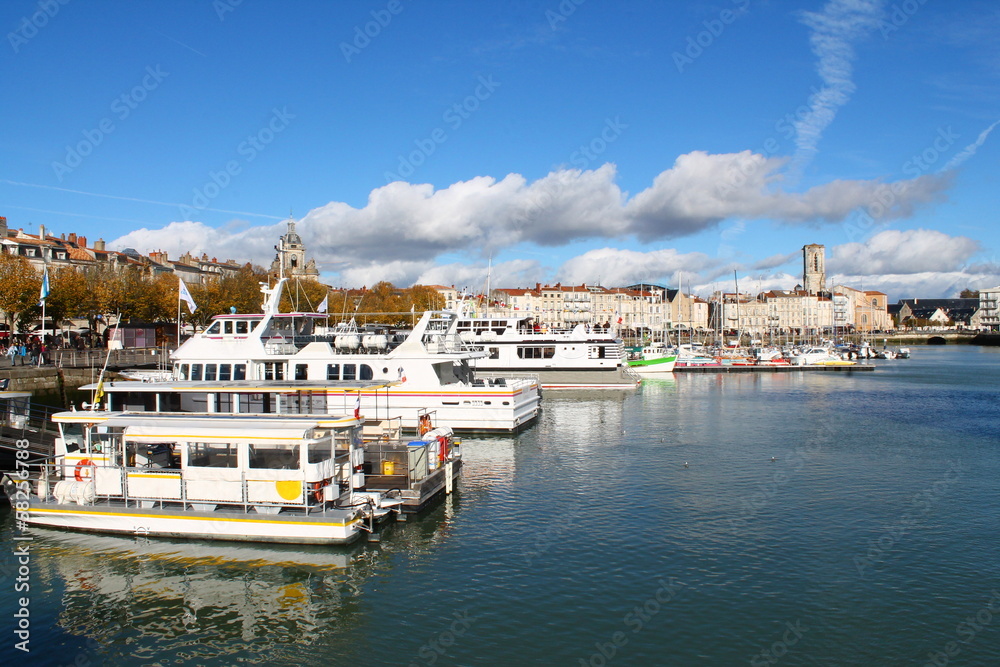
(871, 539)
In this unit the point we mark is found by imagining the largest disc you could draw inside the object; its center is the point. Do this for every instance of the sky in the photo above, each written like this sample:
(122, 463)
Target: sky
(687, 144)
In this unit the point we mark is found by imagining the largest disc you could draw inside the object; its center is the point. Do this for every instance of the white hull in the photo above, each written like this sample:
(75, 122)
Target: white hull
(332, 527)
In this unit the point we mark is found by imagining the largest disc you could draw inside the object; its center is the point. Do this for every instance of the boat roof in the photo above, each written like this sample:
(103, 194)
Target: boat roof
(255, 386)
(227, 426)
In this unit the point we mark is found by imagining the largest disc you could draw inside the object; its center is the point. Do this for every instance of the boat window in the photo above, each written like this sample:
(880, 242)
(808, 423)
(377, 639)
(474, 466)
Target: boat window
(301, 371)
(274, 457)
(350, 371)
(494, 352)
(73, 436)
(366, 372)
(225, 371)
(210, 372)
(183, 374)
(320, 451)
(536, 352)
(224, 403)
(333, 371)
(214, 329)
(241, 327)
(274, 370)
(240, 372)
(211, 455)
(227, 327)
(196, 372)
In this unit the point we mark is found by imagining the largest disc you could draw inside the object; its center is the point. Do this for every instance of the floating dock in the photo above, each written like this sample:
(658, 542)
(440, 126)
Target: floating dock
(772, 369)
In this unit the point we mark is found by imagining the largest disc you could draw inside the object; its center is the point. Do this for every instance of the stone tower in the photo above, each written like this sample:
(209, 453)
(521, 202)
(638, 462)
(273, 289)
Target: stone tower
(814, 268)
(291, 259)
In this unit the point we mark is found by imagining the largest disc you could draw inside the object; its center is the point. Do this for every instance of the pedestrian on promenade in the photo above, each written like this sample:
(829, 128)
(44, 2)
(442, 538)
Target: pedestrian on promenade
(12, 352)
(22, 352)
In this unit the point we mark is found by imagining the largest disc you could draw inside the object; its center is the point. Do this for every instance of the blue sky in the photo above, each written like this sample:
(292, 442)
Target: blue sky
(574, 141)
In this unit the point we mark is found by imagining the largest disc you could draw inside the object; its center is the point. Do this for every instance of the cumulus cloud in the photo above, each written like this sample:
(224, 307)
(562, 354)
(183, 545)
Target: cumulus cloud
(903, 252)
(404, 227)
(615, 266)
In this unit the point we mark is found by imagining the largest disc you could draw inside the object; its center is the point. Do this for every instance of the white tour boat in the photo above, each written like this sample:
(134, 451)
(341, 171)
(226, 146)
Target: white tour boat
(265, 478)
(583, 357)
(429, 368)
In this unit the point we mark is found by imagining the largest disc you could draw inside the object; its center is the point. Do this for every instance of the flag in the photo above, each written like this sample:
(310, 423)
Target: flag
(186, 297)
(45, 287)
(357, 406)
(413, 308)
(99, 394)
(402, 375)
(321, 308)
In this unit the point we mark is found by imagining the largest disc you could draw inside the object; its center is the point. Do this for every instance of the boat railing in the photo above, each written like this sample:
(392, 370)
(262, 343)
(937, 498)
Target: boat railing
(169, 488)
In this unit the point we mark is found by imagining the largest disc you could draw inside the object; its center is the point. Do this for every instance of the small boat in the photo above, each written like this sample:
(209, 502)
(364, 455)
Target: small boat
(903, 353)
(654, 359)
(820, 356)
(259, 478)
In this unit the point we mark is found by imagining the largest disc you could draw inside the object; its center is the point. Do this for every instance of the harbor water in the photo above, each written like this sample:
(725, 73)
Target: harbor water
(781, 518)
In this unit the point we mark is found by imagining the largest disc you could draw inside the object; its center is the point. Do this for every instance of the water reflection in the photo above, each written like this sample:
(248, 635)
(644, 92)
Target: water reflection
(217, 601)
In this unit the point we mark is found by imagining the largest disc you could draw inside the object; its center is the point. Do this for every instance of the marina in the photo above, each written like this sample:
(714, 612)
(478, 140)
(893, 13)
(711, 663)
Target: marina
(858, 508)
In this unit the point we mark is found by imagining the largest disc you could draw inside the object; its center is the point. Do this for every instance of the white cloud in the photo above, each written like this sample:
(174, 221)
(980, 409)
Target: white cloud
(903, 252)
(614, 266)
(971, 149)
(404, 227)
(834, 31)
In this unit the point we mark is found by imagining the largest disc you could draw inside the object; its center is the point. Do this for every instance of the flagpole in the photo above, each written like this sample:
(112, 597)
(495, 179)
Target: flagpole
(178, 316)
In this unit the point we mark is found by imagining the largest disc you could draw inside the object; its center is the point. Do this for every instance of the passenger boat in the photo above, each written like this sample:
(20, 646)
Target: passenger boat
(583, 357)
(428, 368)
(266, 478)
(654, 359)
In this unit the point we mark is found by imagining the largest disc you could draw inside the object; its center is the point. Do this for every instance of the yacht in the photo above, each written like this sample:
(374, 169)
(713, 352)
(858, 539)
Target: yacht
(583, 357)
(294, 363)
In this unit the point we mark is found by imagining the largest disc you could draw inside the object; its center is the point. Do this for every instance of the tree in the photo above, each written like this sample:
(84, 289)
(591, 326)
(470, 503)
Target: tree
(20, 292)
(968, 293)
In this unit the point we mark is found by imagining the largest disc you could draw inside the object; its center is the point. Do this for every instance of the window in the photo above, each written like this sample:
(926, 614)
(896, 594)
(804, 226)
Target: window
(319, 451)
(214, 329)
(227, 327)
(274, 457)
(536, 352)
(494, 352)
(210, 372)
(241, 327)
(183, 372)
(350, 371)
(274, 370)
(211, 455)
(225, 372)
(240, 372)
(366, 372)
(301, 371)
(333, 371)
(196, 372)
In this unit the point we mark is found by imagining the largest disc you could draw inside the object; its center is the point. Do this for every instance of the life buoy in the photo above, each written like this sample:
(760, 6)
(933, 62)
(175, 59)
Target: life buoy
(78, 472)
(317, 488)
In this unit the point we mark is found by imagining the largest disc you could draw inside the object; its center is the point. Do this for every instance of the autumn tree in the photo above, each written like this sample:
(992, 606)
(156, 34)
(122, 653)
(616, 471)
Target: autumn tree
(21, 288)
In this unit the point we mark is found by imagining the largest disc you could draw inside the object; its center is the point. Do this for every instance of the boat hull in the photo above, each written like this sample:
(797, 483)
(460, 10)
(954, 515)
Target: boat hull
(330, 527)
(660, 366)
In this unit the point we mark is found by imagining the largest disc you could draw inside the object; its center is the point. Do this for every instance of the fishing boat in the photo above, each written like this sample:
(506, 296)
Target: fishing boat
(653, 359)
(264, 478)
(427, 368)
(582, 357)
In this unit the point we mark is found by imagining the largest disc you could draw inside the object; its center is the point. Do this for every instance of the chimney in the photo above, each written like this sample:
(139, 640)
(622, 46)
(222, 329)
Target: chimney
(99, 245)
(41, 232)
(81, 242)
(72, 237)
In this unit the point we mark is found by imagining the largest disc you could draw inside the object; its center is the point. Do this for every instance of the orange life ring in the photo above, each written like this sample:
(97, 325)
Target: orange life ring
(78, 472)
(317, 488)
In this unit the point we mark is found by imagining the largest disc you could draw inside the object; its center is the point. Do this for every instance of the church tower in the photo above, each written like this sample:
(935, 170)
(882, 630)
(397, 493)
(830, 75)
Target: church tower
(813, 268)
(291, 259)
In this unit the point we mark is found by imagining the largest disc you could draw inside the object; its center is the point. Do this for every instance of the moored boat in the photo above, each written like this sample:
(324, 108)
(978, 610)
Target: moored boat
(267, 478)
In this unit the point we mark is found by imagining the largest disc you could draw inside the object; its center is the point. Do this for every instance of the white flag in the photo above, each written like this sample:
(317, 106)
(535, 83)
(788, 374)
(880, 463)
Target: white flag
(323, 304)
(186, 297)
(45, 287)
